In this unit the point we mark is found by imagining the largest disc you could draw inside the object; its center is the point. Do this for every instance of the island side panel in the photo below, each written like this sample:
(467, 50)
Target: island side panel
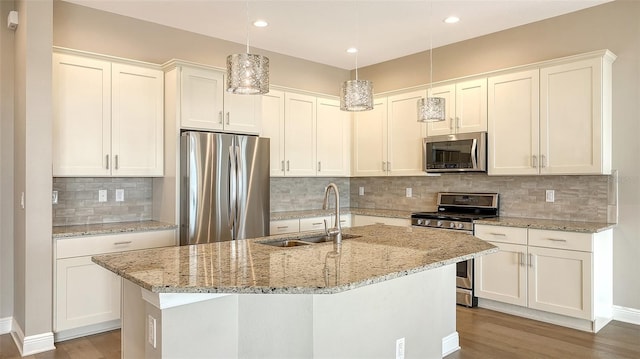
(367, 321)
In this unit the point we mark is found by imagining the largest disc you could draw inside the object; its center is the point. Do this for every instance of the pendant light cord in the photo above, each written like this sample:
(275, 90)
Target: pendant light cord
(357, 38)
(247, 24)
(430, 48)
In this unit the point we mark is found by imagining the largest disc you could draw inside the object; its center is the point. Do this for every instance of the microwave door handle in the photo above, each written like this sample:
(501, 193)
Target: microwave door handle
(474, 153)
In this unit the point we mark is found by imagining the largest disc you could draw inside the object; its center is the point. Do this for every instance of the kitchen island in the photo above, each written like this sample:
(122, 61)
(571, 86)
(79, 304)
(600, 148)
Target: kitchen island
(249, 299)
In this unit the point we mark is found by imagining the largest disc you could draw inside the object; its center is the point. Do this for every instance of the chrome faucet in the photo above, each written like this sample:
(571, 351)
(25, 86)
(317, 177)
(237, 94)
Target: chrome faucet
(336, 230)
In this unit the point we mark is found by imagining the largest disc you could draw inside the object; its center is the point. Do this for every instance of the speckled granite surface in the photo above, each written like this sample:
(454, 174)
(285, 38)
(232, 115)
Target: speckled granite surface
(248, 266)
(390, 213)
(547, 224)
(109, 228)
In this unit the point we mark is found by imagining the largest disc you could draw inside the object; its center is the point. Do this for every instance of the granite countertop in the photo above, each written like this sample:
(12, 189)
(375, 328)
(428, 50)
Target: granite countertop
(61, 232)
(547, 224)
(390, 213)
(248, 266)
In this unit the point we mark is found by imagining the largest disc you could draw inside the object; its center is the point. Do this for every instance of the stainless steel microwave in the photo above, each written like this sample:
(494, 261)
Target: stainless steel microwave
(464, 152)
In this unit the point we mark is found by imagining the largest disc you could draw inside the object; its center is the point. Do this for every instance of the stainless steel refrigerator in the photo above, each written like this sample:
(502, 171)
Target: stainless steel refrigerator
(224, 186)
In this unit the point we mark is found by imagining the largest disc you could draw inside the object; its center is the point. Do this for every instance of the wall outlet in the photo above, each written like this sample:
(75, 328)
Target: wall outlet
(400, 348)
(550, 195)
(54, 197)
(151, 331)
(119, 195)
(102, 195)
(360, 191)
(408, 192)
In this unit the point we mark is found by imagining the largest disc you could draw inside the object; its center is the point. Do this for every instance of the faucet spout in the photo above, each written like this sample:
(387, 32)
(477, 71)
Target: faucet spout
(336, 230)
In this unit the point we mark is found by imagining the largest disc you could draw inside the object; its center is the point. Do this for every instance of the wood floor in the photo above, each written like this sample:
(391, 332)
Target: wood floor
(483, 334)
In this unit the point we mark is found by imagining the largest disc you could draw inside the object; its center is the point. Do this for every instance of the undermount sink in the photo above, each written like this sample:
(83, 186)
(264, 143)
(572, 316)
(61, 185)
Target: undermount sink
(286, 243)
(324, 238)
(305, 241)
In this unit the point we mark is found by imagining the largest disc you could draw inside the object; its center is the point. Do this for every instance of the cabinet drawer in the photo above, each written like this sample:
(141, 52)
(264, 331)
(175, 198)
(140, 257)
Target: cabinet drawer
(561, 240)
(314, 223)
(91, 245)
(284, 226)
(501, 234)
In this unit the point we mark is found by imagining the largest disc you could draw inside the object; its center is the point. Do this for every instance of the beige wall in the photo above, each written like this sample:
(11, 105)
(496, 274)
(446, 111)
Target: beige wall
(6, 165)
(83, 28)
(614, 26)
(32, 169)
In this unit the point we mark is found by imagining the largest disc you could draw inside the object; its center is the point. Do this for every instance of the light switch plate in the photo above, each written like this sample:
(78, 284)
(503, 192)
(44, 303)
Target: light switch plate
(408, 192)
(361, 191)
(550, 195)
(119, 195)
(102, 195)
(54, 197)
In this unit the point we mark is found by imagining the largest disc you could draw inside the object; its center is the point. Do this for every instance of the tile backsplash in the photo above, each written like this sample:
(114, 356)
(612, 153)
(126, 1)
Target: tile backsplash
(78, 200)
(580, 198)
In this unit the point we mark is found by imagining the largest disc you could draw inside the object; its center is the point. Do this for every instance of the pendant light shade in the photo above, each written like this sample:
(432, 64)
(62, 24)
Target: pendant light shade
(247, 74)
(356, 95)
(431, 109)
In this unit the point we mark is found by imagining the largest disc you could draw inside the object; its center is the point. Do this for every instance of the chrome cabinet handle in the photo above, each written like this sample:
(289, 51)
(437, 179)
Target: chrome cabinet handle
(451, 123)
(228, 121)
(534, 161)
(543, 161)
(557, 239)
(282, 227)
(497, 234)
(122, 243)
(107, 160)
(288, 167)
(457, 122)
(389, 166)
(317, 223)
(116, 162)
(319, 166)
(220, 117)
(384, 166)
(530, 260)
(282, 165)
(521, 259)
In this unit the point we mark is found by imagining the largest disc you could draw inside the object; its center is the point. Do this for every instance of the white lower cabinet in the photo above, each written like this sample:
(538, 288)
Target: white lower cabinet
(87, 296)
(564, 273)
(285, 226)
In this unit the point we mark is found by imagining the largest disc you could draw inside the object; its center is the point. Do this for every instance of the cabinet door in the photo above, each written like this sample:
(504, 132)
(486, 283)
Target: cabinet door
(201, 99)
(448, 92)
(370, 140)
(502, 276)
(315, 223)
(300, 134)
(471, 106)
(284, 226)
(560, 281)
(242, 113)
(86, 293)
(513, 123)
(571, 128)
(273, 128)
(405, 135)
(137, 121)
(81, 116)
(333, 130)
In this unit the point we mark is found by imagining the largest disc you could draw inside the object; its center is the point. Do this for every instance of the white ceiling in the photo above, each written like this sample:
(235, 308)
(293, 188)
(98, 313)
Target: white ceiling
(321, 31)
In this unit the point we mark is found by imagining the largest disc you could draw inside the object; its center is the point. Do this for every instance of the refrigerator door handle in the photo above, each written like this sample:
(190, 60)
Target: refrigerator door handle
(233, 181)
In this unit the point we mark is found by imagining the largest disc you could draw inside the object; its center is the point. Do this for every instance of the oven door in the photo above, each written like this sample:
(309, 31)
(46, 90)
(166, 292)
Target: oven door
(464, 284)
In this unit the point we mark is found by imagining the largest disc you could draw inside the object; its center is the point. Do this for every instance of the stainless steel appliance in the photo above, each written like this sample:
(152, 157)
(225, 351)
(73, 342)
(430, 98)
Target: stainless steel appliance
(456, 212)
(464, 152)
(224, 187)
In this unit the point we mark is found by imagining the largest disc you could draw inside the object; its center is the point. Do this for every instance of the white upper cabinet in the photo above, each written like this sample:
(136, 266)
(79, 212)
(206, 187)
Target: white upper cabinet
(101, 109)
(333, 131)
(387, 141)
(513, 141)
(300, 134)
(205, 105)
(466, 107)
(575, 117)
(370, 140)
(555, 119)
(273, 128)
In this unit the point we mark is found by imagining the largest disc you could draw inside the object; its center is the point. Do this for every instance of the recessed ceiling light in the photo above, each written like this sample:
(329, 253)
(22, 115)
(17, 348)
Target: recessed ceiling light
(260, 23)
(352, 50)
(452, 19)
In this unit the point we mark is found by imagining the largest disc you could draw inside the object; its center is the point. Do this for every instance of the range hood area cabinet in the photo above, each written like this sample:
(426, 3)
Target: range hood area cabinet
(107, 116)
(201, 103)
(465, 107)
(552, 119)
(310, 135)
(387, 140)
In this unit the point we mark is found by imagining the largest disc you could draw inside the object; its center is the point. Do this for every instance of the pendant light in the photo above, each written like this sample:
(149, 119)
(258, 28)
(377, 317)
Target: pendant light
(431, 109)
(356, 95)
(247, 74)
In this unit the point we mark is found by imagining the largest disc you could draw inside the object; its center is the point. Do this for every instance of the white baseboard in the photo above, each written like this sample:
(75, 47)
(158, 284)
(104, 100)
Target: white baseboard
(5, 325)
(450, 344)
(627, 315)
(32, 344)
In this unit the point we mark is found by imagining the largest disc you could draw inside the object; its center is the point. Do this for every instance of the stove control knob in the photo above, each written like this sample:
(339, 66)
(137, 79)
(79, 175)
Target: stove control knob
(427, 222)
(420, 221)
(439, 224)
(460, 226)
(452, 225)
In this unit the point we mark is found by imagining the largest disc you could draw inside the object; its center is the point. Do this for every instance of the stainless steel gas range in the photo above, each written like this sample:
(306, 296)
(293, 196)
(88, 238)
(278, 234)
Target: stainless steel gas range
(456, 212)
